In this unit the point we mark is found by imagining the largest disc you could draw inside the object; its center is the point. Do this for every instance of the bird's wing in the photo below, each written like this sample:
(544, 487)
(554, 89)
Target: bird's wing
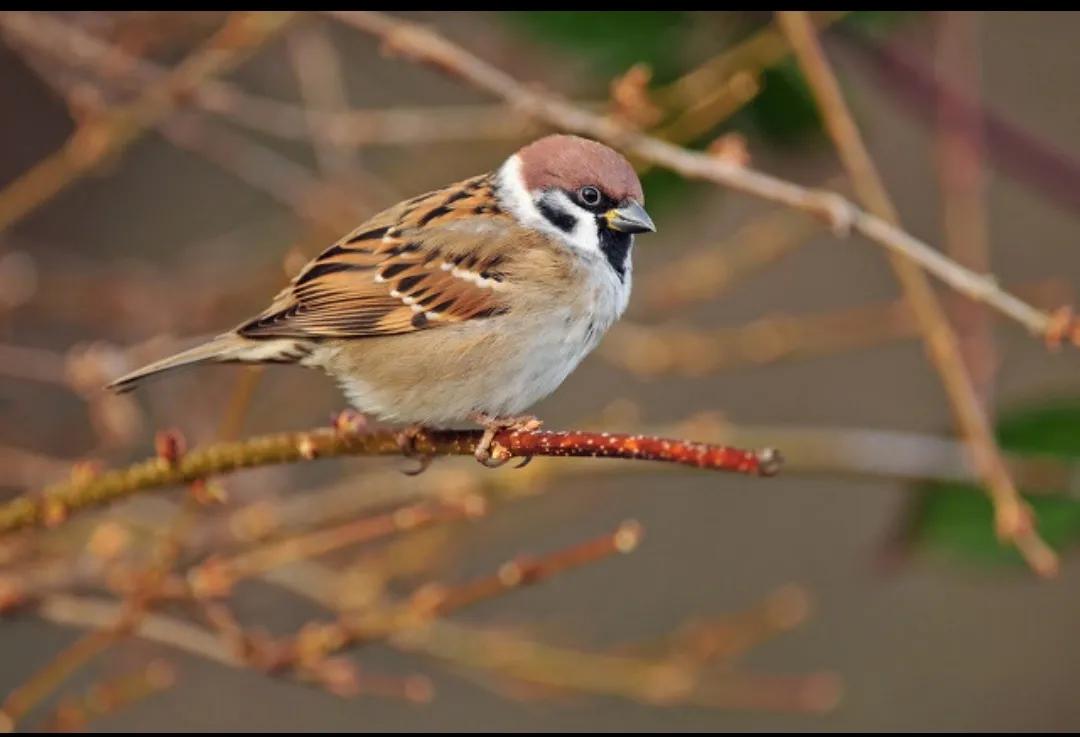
(434, 260)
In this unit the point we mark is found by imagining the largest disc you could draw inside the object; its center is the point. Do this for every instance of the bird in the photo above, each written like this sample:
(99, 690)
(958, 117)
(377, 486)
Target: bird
(468, 303)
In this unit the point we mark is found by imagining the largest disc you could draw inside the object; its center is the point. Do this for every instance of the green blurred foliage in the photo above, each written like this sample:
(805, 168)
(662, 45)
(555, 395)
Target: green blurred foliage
(957, 519)
(613, 41)
(784, 111)
(875, 22)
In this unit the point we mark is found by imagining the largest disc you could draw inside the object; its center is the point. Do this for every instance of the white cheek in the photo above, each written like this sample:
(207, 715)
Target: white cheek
(517, 200)
(585, 235)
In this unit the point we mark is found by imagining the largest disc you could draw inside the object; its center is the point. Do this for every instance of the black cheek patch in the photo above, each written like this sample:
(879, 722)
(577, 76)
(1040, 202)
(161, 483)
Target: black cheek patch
(564, 221)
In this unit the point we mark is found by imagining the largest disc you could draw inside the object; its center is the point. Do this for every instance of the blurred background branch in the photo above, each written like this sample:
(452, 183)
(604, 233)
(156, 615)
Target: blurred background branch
(165, 172)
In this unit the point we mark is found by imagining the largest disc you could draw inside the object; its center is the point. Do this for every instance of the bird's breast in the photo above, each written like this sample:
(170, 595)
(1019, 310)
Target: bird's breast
(500, 365)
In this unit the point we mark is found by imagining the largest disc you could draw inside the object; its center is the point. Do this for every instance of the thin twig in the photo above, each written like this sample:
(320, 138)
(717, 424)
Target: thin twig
(109, 696)
(71, 45)
(316, 642)
(94, 612)
(724, 638)
(133, 610)
(699, 97)
(419, 625)
(318, 70)
(216, 576)
(1012, 513)
(425, 46)
(959, 154)
(148, 584)
(653, 350)
(706, 272)
(1022, 154)
(258, 166)
(54, 503)
(291, 184)
(638, 679)
(95, 141)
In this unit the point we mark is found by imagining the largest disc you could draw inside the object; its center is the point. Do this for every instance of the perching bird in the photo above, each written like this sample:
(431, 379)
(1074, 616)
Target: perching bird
(471, 302)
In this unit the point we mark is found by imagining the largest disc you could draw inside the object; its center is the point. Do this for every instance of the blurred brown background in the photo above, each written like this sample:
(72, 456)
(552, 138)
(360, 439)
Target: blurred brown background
(920, 638)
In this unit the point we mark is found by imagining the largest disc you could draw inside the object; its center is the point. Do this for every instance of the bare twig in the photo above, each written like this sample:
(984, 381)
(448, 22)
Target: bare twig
(412, 626)
(107, 697)
(39, 685)
(96, 140)
(959, 158)
(702, 641)
(316, 642)
(1052, 170)
(53, 504)
(318, 70)
(288, 182)
(701, 98)
(765, 48)
(649, 351)
(639, 679)
(706, 272)
(216, 576)
(427, 47)
(328, 515)
(1013, 515)
(259, 167)
(722, 85)
(94, 612)
(526, 571)
(148, 584)
(133, 610)
(68, 44)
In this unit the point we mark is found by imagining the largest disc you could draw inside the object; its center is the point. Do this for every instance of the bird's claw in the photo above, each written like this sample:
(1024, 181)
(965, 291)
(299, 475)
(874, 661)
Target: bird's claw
(493, 455)
(406, 440)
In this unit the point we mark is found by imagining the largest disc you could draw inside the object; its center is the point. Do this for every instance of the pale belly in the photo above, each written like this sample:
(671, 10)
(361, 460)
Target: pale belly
(444, 376)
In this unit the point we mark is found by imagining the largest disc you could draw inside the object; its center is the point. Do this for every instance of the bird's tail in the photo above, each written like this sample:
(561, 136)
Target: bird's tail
(227, 347)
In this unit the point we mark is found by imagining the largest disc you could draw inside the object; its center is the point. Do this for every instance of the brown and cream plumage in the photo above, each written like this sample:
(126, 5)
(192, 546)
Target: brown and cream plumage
(472, 301)
(403, 270)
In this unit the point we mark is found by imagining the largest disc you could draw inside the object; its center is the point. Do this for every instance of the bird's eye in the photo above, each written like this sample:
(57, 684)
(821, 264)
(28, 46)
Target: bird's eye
(589, 196)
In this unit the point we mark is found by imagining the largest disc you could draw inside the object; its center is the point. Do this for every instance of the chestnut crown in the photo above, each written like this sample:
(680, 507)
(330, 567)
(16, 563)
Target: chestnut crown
(570, 163)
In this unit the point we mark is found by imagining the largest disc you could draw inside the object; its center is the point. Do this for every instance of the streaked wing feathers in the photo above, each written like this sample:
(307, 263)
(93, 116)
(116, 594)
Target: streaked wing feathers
(426, 262)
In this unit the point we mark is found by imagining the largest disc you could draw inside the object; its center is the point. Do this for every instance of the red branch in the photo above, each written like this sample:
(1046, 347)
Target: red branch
(52, 505)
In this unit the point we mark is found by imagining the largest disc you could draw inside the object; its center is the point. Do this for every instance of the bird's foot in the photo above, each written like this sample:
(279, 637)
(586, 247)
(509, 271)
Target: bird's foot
(406, 440)
(489, 453)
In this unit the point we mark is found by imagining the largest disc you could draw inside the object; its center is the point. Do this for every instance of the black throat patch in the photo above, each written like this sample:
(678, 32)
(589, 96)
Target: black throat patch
(614, 245)
(616, 248)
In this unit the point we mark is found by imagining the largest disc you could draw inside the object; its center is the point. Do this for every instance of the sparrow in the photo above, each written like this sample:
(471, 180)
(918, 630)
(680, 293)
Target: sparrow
(471, 302)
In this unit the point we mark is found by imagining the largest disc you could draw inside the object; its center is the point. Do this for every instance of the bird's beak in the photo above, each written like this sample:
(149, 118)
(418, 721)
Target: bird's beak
(630, 218)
